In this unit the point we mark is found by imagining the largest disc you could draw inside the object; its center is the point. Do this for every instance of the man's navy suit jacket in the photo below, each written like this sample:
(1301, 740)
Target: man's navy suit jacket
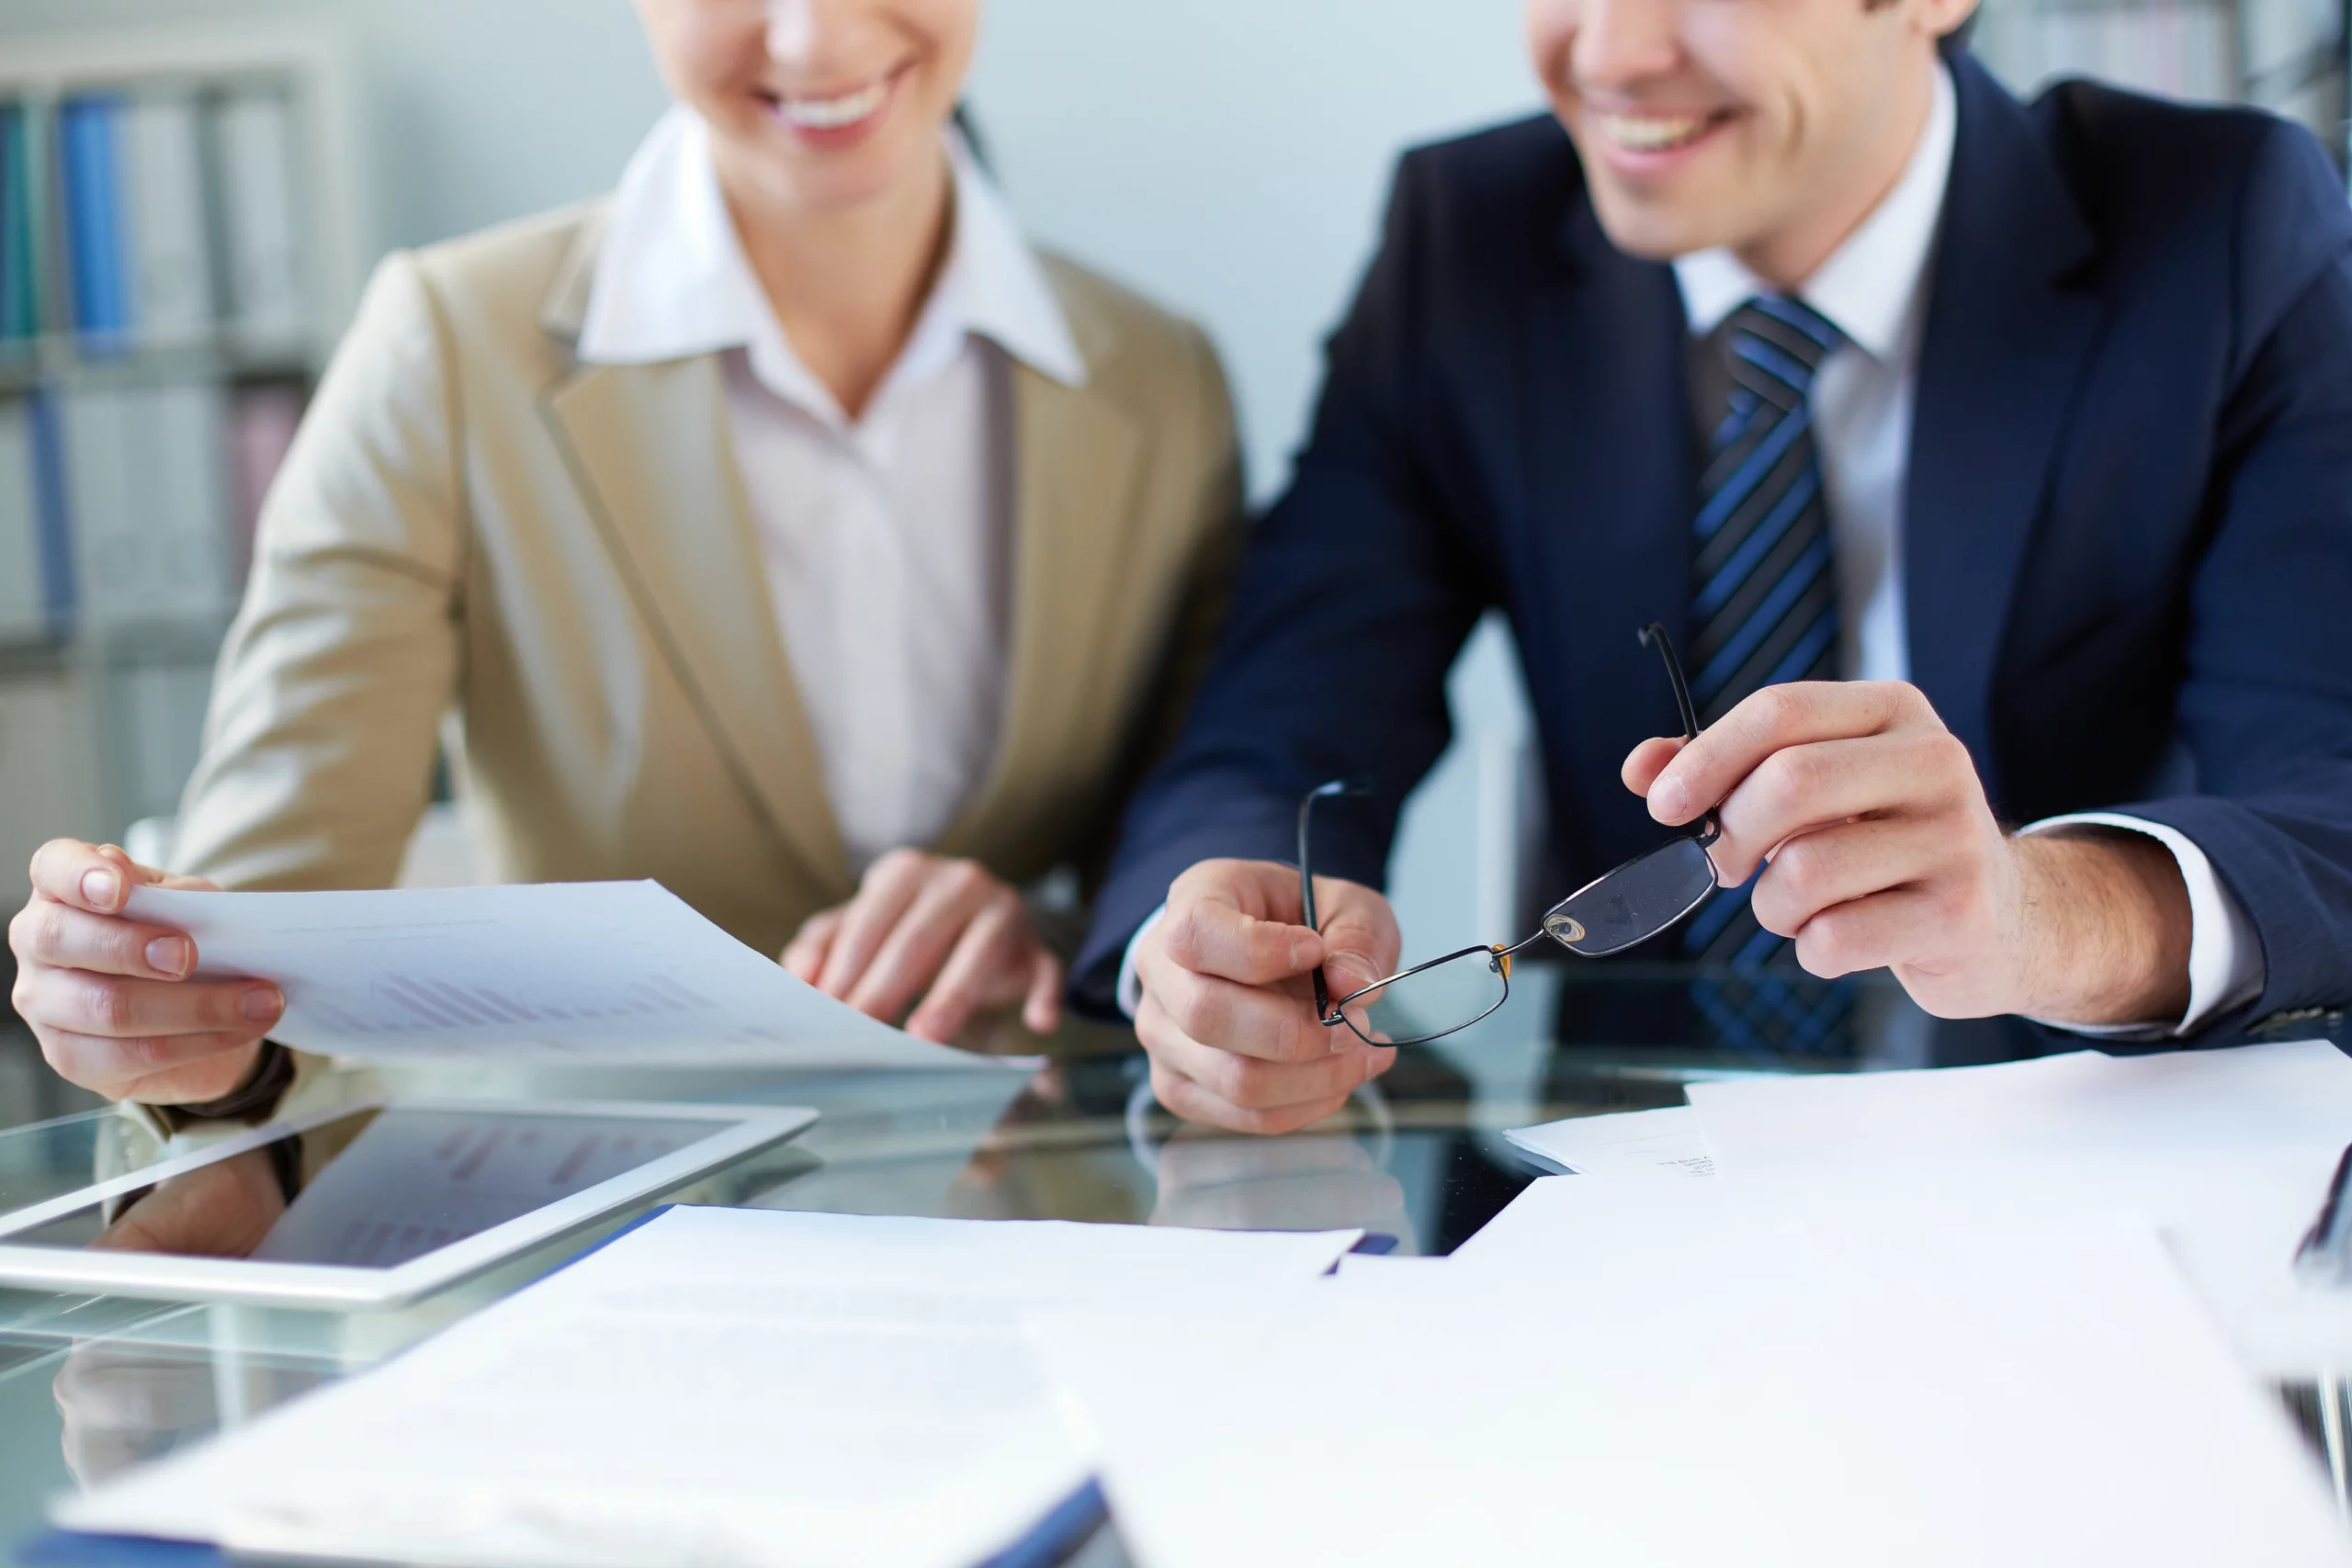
(2127, 525)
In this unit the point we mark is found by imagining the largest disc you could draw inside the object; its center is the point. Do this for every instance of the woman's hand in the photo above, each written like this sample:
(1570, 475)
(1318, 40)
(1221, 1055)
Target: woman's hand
(110, 998)
(943, 930)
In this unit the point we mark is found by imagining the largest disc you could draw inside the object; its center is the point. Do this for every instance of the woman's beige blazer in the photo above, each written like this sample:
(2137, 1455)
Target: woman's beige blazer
(558, 561)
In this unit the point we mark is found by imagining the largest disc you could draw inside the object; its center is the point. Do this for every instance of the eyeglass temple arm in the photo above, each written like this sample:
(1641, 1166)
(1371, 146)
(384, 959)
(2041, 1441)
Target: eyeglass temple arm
(1307, 872)
(1654, 634)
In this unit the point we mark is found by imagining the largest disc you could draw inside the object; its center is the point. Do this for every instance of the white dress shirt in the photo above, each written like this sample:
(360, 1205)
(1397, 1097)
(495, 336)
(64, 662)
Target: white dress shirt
(887, 539)
(1874, 289)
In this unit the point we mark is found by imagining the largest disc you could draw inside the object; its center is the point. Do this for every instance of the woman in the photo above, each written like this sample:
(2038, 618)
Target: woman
(784, 528)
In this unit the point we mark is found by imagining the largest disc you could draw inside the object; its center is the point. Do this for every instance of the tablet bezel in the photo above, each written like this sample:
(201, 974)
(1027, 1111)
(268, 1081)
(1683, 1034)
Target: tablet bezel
(736, 1131)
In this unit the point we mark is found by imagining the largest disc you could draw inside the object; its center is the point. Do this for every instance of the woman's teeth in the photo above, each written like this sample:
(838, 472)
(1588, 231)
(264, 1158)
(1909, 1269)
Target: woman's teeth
(831, 114)
(1651, 133)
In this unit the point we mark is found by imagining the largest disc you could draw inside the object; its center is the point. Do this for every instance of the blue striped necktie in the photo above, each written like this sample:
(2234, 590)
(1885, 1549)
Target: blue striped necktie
(1763, 610)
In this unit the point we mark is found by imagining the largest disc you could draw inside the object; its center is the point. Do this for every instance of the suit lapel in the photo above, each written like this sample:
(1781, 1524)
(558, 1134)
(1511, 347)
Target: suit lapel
(2000, 360)
(1609, 416)
(1076, 462)
(647, 446)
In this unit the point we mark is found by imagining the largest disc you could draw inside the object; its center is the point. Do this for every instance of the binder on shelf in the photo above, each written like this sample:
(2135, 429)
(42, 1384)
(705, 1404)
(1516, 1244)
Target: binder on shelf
(24, 617)
(19, 237)
(161, 202)
(253, 137)
(151, 537)
(88, 132)
(57, 577)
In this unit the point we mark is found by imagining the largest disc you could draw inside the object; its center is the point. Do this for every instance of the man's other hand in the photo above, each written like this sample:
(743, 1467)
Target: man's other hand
(110, 998)
(1880, 850)
(1228, 1013)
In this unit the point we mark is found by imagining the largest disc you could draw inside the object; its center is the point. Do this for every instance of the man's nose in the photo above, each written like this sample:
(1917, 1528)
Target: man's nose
(1622, 43)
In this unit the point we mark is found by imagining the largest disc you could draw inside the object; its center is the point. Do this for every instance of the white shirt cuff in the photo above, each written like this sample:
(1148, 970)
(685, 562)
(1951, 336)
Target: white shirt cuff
(1129, 995)
(2226, 965)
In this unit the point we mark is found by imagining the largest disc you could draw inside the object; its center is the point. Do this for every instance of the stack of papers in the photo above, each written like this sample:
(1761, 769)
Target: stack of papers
(604, 972)
(1939, 1318)
(1695, 1398)
(725, 1387)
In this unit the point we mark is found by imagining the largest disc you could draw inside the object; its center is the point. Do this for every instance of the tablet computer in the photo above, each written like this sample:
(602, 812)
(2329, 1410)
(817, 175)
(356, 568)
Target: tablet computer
(374, 1204)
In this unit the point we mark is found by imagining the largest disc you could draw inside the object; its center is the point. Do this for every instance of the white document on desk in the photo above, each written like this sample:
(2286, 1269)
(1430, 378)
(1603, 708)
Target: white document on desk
(2229, 1151)
(1669, 1139)
(751, 1387)
(2046, 1399)
(581, 972)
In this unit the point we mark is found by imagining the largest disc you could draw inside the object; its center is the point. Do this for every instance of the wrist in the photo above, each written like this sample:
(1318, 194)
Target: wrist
(2103, 928)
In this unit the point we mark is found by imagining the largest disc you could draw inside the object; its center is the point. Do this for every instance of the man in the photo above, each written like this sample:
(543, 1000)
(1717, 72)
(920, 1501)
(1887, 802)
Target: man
(1990, 464)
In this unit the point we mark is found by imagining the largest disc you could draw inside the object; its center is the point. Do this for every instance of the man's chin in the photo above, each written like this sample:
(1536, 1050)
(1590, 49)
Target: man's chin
(1652, 229)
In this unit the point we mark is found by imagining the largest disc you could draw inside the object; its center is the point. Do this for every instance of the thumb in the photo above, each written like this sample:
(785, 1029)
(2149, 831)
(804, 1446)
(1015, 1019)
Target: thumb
(1359, 938)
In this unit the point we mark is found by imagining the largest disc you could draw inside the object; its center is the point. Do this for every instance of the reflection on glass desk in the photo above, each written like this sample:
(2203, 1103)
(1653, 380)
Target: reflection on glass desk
(90, 1385)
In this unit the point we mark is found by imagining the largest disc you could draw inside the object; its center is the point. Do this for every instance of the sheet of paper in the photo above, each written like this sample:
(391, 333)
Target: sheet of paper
(747, 1387)
(1561, 1229)
(1669, 1139)
(2050, 1401)
(2229, 1151)
(600, 971)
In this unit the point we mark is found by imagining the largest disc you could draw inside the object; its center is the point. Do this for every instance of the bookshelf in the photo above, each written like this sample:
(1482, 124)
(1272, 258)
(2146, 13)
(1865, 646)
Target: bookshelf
(180, 247)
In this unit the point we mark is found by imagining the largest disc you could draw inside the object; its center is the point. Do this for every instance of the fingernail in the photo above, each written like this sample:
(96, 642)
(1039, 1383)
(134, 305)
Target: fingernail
(262, 1004)
(169, 955)
(1351, 973)
(1302, 954)
(101, 888)
(1669, 798)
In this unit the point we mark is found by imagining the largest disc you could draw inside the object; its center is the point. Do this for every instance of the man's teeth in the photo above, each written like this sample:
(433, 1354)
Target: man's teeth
(831, 114)
(1651, 133)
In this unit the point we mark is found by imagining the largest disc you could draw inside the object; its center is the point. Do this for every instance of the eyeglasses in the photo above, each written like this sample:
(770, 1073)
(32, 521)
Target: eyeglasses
(1619, 909)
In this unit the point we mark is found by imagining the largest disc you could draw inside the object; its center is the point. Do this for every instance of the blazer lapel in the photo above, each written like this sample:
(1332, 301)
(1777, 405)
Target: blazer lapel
(1078, 460)
(2000, 360)
(648, 446)
(1609, 417)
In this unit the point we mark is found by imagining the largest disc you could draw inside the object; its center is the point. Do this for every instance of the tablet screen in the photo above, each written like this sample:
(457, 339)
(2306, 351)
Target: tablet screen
(373, 1190)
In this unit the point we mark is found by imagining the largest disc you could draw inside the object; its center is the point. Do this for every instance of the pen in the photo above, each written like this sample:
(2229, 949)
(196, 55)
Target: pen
(2320, 1248)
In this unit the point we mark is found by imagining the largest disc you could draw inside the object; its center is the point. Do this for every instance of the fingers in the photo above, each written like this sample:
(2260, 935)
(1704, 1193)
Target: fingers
(890, 885)
(47, 932)
(1270, 1024)
(954, 896)
(121, 1008)
(805, 955)
(1238, 919)
(97, 877)
(1244, 1094)
(1820, 870)
(1876, 933)
(1360, 936)
(1914, 773)
(1799, 713)
(986, 968)
(1041, 1009)
(1646, 762)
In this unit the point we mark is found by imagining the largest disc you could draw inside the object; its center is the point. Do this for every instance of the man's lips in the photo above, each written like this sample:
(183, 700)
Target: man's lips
(1655, 131)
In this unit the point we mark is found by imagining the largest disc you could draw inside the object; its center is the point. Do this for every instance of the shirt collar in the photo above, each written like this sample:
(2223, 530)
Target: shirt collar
(673, 282)
(1870, 287)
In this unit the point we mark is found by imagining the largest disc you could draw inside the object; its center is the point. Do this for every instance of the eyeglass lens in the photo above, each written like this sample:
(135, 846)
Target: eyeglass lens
(1435, 999)
(1634, 902)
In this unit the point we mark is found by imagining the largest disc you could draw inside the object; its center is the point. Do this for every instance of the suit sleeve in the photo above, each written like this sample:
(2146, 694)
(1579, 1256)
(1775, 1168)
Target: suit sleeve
(1353, 598)
(324, 723)
(2266, 705)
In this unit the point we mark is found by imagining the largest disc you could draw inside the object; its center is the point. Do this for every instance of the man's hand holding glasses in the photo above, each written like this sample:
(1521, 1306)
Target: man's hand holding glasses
(1270, 993)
